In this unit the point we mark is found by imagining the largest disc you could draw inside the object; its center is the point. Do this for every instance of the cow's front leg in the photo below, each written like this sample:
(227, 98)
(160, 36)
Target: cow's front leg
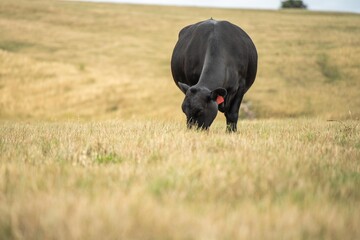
(231, 121)
(232, 115)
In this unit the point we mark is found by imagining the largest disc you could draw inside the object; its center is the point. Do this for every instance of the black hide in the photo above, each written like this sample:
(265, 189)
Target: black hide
(213, 58)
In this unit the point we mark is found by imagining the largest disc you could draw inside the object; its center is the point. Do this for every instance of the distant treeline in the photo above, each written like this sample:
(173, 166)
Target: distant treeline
(293, 4)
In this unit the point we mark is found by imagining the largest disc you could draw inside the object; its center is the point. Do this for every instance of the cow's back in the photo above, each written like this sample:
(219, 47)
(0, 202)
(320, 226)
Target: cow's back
(189, 52)
(217, 45)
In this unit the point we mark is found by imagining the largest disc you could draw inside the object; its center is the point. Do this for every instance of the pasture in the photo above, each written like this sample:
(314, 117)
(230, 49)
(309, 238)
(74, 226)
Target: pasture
(93, 143)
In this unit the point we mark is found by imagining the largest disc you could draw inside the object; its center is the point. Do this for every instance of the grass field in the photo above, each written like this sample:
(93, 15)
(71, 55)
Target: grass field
(277, 179)
(93, 143)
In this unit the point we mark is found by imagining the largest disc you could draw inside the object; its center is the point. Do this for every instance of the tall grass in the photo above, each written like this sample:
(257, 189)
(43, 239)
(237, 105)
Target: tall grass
(149, 180)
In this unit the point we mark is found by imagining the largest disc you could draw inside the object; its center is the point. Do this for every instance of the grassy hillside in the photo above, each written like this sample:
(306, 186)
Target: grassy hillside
(63, 60)
(93, 143)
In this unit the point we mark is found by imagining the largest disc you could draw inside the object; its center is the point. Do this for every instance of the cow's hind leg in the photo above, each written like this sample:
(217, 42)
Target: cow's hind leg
(232, 115)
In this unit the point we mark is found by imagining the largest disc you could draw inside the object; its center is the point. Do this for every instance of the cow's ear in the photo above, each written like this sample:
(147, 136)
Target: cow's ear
(218, 92)
(184, 87)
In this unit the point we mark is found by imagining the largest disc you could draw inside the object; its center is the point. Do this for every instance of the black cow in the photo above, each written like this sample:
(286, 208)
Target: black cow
(214, 63)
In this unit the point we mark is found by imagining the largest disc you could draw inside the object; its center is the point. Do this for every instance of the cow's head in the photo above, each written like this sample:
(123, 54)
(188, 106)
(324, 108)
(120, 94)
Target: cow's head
(199, 105)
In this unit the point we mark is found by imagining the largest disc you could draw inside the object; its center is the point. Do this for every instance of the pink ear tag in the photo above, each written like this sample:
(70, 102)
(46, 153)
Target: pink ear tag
(219, 100)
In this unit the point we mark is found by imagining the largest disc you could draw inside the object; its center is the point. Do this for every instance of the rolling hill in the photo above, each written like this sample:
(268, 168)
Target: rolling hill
(71, 60)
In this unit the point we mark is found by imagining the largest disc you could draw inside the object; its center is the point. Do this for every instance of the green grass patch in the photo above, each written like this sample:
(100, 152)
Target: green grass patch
(14, 46)
(109, 158)
(329, 70)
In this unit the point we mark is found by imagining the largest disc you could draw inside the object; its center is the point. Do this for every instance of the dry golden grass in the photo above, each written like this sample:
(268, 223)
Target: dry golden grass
(93, 143)
(277, 179)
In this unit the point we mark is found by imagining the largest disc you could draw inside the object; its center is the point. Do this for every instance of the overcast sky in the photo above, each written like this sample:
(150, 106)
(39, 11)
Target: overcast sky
(323, 5)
